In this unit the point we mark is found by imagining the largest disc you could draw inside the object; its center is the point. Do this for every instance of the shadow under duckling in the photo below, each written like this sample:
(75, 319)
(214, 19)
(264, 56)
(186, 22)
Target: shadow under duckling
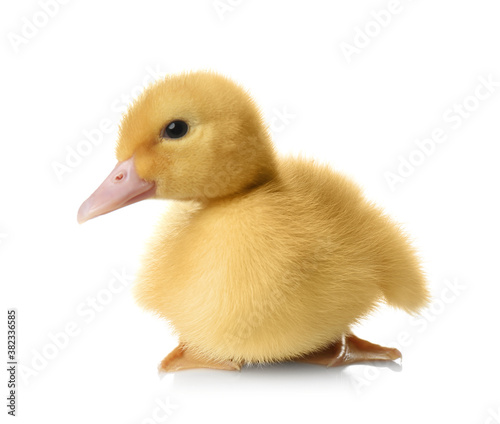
(263, 258)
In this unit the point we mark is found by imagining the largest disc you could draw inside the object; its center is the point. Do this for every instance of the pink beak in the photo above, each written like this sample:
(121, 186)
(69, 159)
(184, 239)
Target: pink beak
(121, 188)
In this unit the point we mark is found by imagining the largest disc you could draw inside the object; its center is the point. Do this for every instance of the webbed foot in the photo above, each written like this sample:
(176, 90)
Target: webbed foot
(181, 358)
(349, 350)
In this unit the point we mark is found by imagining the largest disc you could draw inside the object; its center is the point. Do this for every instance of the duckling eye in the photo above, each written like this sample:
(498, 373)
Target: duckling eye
(176, 129)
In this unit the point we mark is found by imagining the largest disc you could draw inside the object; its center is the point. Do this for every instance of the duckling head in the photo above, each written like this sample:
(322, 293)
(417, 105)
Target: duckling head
(195, 136)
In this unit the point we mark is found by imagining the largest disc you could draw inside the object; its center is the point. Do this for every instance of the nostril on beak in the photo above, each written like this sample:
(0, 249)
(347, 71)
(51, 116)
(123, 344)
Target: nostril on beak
(119, 177)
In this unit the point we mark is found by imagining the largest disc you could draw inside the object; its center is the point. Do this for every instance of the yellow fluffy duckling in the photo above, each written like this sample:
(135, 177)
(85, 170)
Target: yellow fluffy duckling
(262, 258)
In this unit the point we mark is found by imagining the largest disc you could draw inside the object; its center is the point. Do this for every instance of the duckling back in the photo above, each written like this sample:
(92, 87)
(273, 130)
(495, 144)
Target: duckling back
(361, 233)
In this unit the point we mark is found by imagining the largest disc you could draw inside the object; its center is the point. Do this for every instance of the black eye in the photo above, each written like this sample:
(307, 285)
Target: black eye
(176, 129)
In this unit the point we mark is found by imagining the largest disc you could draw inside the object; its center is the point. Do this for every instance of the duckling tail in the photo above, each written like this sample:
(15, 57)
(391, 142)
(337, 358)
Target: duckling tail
(403, 283)
(410, 294)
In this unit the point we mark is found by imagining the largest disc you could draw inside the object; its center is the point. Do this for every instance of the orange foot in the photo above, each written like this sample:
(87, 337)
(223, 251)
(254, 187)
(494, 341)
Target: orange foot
(349, 350)
(182, 359)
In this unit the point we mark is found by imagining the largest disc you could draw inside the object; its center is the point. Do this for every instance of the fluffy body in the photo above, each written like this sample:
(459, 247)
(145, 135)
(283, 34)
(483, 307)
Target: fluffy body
(280, 271)
(263, 258)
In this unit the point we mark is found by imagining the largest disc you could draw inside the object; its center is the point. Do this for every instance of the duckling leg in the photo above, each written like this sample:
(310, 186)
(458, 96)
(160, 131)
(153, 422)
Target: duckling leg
(349, 350)
(181, 358)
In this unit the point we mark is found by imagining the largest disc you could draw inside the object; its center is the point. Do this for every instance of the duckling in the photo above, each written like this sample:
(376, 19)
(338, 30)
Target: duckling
(261, 258)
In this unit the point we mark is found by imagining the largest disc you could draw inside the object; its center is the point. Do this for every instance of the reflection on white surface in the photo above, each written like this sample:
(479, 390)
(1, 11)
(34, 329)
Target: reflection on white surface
(272, 378)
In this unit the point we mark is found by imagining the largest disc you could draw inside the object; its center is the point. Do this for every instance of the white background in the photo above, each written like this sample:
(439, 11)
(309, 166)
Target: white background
(361, 113)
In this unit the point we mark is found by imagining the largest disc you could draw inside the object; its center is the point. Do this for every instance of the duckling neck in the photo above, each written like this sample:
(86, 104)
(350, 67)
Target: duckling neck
(266, 175)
